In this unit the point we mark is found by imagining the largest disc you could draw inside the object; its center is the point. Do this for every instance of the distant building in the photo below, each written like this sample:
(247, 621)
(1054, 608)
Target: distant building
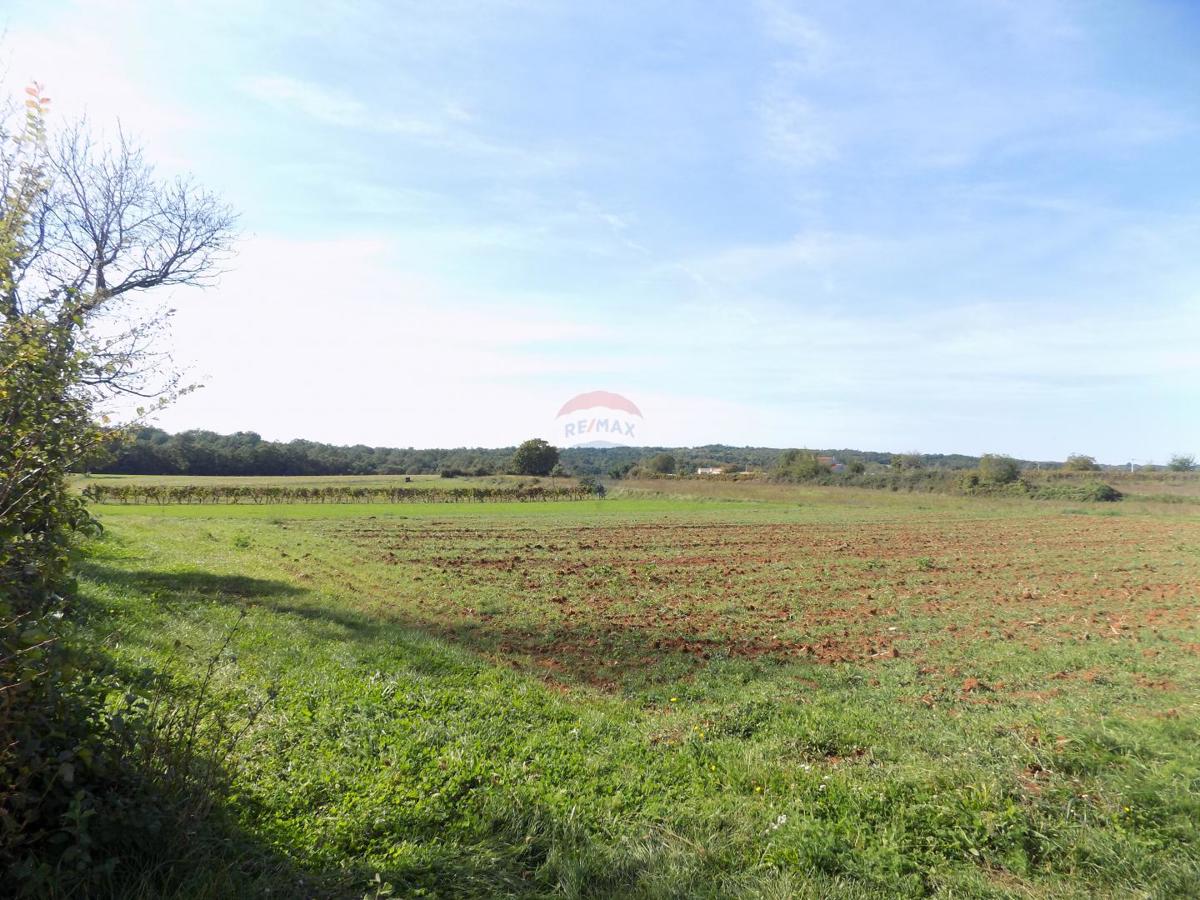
(708, 470)
(831, 463)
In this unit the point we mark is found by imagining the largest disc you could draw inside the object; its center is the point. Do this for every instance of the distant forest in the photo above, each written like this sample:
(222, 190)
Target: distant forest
(152, 451)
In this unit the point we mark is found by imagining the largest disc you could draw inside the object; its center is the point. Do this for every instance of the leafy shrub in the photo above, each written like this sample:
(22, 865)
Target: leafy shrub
(114, 777)
(662, 464)
(1087, 491)
(907, 461)
(799, 465)
(1078, 462)
(1182, 462)
(996, 468)
(49, 757)
(973, 483)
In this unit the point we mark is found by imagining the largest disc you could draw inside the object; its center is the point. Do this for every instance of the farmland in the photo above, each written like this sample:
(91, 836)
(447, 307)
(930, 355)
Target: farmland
(291, 494)
(390, 482)
(686, 689)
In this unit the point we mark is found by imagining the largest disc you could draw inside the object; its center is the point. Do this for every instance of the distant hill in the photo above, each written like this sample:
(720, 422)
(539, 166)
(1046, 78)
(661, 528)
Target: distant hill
(152, 451)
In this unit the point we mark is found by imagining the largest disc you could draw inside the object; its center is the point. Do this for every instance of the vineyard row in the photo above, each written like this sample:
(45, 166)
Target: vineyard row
(262, 494)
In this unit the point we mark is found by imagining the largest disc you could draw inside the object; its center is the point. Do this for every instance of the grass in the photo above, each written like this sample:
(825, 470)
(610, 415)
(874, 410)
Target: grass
(813, 692)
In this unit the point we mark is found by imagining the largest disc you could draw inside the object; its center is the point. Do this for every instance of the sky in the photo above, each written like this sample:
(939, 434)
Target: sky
(962, 226)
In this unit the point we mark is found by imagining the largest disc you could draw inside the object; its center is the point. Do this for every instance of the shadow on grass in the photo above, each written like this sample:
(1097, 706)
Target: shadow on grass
(179, 584)
(176, 589)
(609, 656)
(156, 833)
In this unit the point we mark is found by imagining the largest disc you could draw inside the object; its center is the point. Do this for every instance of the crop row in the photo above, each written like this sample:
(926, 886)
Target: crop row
(175, 494)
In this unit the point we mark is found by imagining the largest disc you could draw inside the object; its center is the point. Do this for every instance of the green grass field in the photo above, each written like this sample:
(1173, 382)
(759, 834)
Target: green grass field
(774, 693)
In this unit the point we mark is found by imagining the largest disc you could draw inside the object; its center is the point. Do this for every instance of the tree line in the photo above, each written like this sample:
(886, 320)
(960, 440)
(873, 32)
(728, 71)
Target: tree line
(152, 451)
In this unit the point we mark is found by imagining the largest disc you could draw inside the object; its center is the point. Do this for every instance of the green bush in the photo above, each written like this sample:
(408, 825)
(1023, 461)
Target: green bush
(1182, 462)
(49, 755)
(1078, 462)
(1087, 491)
(118, 777)
(996, 468)
(799, 465)
(907, 461)
(662, 464)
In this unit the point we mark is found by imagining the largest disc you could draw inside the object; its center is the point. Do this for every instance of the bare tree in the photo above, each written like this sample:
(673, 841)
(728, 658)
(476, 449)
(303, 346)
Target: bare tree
(103, 229)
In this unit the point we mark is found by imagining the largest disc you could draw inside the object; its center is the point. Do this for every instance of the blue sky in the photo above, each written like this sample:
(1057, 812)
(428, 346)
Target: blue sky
(962, 226)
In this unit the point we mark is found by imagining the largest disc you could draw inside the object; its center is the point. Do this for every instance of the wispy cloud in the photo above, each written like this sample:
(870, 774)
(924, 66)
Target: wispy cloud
(332, 107)
(445, 125)
(809, 46)
(793, 130)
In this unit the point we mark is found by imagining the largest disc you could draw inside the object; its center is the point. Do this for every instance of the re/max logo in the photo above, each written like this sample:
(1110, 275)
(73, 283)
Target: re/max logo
(597, 426)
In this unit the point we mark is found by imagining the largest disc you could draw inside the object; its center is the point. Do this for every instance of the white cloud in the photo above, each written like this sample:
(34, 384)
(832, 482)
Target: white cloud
(438, 123)
(332, 107)
(810, 46)
(793, 130)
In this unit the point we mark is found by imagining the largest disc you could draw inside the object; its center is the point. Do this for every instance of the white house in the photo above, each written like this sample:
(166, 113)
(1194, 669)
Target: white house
(708, 470)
